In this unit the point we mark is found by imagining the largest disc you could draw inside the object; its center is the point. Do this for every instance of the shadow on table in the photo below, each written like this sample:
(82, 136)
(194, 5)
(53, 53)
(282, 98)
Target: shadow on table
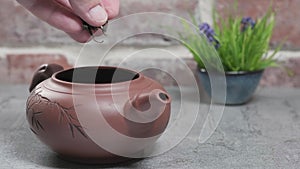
(55, 161)
(23, 146)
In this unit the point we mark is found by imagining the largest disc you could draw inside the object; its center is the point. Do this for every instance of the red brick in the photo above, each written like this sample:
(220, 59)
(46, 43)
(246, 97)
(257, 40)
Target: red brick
(281, 77)
(179, 7)
(21, 66)
(3, 71)
(272, 77)
(18, 68)
(288, 14)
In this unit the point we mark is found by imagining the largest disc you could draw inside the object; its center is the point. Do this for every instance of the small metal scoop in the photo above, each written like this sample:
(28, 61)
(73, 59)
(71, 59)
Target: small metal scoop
(91, 29)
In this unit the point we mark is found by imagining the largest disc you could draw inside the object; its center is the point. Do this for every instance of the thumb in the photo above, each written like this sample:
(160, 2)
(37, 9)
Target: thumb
(91, 11)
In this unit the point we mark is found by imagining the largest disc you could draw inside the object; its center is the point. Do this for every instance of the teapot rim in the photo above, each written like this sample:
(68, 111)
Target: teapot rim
(65, 82)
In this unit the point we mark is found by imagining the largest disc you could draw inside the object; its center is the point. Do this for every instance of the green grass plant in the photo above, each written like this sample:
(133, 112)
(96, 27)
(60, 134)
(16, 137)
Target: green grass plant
(241, 45)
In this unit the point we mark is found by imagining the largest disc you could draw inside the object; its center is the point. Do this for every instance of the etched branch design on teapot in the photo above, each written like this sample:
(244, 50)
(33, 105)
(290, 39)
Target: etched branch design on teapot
(34, 112)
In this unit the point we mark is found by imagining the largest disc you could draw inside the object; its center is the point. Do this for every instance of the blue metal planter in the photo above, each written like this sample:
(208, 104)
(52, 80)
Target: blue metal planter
(240, 86)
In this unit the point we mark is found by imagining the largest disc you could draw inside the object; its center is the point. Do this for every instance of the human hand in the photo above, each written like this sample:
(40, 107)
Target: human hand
(66, 15)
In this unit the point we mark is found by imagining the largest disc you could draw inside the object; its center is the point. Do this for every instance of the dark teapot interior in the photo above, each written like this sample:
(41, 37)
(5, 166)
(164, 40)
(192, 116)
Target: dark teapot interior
(97, 75)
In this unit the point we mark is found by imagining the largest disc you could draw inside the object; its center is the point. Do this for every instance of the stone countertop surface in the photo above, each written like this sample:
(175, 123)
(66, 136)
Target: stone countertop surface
(265, 133)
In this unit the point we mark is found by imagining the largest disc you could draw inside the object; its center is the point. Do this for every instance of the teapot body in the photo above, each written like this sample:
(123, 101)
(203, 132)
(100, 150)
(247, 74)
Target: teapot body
(80, 119)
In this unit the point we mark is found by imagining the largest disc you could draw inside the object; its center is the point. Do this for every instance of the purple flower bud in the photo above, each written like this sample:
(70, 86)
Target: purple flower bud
(209, 33)
(204, 26)
(246, 22)
(211, 38)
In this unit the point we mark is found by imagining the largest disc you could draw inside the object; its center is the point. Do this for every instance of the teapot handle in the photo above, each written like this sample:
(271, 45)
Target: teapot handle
(44, 72)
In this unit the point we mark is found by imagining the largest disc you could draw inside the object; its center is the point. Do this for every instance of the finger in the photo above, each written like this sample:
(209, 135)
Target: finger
(56, 16)
(91, 11)
(27, 3)
(64, 3)
(82, 37)
(111, 7)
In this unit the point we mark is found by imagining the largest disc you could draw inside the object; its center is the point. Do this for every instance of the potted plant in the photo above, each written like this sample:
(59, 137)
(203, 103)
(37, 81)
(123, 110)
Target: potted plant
(242, 45)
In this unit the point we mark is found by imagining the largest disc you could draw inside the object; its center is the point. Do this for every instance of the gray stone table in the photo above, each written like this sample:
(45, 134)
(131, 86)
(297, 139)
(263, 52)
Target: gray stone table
(265, 133)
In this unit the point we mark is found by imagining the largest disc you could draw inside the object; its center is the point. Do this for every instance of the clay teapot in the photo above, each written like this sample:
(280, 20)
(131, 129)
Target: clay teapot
(132, 105)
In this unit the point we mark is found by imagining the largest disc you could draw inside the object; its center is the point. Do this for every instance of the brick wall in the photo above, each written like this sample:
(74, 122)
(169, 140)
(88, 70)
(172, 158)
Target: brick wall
(287, 18)
(21, 28)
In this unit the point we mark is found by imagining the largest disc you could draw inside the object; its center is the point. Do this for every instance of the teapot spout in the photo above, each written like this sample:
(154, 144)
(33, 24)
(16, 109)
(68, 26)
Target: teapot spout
(147, 107)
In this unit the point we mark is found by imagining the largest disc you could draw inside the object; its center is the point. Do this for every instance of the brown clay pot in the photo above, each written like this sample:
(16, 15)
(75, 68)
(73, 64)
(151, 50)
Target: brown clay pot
(133, 105)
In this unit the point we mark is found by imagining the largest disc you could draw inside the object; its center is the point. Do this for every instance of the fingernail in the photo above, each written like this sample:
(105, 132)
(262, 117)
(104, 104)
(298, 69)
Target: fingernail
(98, 14)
